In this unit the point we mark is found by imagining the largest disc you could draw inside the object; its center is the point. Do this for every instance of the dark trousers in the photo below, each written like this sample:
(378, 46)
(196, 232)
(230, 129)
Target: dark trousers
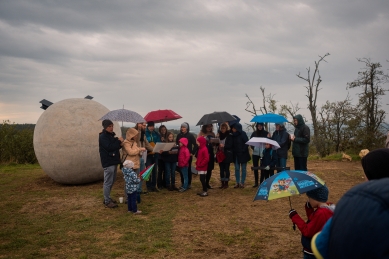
(265, 174)
(131, 202)
(224, 171)
(256, 164)
(161, 178)
(152, 159)
(189, 173)
(300, 163)
(203, 182)
(170, 173)
(208, 177)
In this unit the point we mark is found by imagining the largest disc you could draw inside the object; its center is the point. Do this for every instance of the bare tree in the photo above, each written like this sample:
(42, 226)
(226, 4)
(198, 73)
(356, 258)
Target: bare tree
(371, 79)
(312, 94)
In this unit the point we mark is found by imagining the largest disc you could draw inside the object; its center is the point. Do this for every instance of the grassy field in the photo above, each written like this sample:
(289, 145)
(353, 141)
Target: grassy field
(40, 218)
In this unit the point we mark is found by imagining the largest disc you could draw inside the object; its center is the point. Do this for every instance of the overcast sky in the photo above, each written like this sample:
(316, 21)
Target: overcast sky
(193, 57)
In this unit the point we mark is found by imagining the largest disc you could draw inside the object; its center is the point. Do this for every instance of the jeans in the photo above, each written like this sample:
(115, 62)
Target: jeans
(224, 171)
(237, 171)
(131, 202)
(184, 172)
(109, 179)
(300, 163)
(152, 182)
(281, 162)
(255, 159)
(170, 170)
(189, 173)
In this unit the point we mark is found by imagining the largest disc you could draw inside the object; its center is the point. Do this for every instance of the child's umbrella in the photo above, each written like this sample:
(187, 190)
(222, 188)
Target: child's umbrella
(145, 174)
(286, 184)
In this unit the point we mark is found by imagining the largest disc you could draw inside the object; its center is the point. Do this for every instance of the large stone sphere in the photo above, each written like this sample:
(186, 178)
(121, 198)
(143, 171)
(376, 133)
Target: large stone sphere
(66, 141)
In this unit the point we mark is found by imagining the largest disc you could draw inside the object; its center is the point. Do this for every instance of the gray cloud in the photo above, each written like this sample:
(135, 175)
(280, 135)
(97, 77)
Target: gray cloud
(194, 57)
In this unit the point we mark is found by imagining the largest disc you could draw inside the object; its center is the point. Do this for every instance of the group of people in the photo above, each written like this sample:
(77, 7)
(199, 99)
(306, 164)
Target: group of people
(355, 229)
(226, 147)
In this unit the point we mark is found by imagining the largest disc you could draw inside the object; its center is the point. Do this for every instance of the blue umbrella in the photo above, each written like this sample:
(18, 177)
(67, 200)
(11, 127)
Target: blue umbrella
(269, 117)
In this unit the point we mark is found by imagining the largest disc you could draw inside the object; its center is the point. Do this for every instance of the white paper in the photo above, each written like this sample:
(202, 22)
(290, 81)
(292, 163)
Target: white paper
(163, 146)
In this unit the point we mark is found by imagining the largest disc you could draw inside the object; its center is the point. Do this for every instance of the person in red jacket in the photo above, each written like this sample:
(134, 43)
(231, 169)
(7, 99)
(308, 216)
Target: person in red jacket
(202, 164)
(318, 212)
(183, 162)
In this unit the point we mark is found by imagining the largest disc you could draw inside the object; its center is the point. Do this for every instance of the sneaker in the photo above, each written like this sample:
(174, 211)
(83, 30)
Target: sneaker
(236, 185)
(111, 205)
(204, 194)
(199, 193)
(137, 212)
(182, 190)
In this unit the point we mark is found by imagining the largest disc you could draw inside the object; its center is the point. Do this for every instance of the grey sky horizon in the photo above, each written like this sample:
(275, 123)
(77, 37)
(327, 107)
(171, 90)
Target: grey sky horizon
(194, 57)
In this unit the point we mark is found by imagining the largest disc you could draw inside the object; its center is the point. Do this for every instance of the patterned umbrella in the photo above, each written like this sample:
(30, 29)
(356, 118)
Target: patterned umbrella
(286, 184)
(162, 116)
(123, 115)
(145, 174)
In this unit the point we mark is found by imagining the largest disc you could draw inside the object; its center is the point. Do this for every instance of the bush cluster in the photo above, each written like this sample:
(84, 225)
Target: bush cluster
(16, 143)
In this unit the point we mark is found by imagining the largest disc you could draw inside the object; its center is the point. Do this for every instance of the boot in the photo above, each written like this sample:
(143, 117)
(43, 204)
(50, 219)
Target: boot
(222, 186)
(225, 184)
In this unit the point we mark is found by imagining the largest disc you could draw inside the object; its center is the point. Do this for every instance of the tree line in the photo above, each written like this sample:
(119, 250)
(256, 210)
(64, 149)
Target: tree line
(339, 125)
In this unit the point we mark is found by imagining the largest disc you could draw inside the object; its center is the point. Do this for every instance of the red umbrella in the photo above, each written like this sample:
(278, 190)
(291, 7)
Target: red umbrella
(162, 116)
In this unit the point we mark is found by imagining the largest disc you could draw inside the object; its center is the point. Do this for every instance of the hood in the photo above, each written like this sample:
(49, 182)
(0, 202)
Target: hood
(131, 132)
(330, 207)
(376, 164)
(300, 120)
(237, 120)
(237, 126)
(202, 141)
(184, 141)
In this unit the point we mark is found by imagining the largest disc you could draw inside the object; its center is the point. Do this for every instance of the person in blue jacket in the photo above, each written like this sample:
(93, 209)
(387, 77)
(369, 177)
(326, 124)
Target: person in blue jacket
(152, 137)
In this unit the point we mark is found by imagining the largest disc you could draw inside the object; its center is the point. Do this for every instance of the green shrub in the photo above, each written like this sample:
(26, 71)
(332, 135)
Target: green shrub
(16, 145)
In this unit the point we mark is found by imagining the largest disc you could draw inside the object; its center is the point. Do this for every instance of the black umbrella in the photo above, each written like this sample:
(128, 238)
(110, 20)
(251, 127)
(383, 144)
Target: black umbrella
(215, 117)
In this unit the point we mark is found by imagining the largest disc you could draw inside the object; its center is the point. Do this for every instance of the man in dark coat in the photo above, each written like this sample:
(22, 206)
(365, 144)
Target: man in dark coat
(192, 146)
(109, 147)
(282, 137)
(301, 139)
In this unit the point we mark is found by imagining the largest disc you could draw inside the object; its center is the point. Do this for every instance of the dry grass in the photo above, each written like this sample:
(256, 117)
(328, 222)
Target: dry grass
(40, 218)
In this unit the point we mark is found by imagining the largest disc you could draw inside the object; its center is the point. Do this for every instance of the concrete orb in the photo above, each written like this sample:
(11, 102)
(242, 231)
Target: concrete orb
(66, 141)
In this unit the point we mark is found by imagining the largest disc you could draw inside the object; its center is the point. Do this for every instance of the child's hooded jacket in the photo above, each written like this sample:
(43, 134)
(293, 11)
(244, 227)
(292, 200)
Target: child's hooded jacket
(183, 153)
(202, 155)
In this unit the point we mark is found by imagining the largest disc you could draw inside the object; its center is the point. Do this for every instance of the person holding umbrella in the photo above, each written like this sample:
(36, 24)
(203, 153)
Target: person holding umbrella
(240, 153)
(318, 212)
(259, 132)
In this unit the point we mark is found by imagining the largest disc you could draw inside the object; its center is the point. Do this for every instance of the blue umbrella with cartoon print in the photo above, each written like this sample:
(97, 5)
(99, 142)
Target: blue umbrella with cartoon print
(286, 184)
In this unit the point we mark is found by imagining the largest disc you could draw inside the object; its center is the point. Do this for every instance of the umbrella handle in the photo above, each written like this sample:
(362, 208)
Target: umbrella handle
(290, 203)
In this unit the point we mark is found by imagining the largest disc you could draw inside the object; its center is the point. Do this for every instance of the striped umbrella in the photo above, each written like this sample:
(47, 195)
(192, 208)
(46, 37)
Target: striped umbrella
(123, 115)
(145, 174)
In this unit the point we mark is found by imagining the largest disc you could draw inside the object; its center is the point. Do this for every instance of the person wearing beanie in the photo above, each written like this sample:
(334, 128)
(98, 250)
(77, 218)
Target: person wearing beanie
(318, 212)
(356, 210)
(259, 132)
(192, 147)
(152, 137)
(109, 147)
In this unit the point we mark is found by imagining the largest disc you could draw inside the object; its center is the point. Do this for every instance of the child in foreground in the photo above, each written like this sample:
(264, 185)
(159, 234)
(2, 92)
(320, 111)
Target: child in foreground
(318, 212)
(202, 164)
(132, 182)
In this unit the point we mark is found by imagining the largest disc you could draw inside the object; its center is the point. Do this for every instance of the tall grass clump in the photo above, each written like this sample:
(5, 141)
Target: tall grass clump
(16, 144)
